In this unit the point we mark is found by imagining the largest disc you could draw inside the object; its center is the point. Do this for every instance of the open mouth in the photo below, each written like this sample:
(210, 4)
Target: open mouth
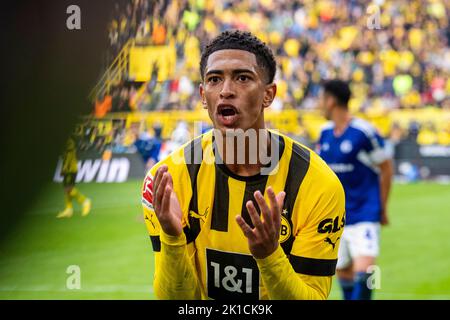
(227, 114)
(226, 110)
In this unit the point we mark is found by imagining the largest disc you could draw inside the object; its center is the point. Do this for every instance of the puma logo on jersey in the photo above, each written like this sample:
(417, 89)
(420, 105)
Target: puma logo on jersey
(147, 218)
(199, 216)
(328, 240)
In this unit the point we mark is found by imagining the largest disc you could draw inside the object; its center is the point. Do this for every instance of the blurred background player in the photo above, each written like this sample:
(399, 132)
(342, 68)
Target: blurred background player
(355, 151)
(69, 171)
(149, 147)
(180, 136)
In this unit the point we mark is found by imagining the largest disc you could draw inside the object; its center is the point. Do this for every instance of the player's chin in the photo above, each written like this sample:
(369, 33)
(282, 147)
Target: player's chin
(224, 128)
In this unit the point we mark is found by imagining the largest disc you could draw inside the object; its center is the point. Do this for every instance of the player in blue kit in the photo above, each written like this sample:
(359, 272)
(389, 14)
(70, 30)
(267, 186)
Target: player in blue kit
(355, 152)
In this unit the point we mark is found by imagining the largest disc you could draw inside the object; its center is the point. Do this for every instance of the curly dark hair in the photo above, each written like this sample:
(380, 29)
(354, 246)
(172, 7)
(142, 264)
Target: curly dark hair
(241, 40)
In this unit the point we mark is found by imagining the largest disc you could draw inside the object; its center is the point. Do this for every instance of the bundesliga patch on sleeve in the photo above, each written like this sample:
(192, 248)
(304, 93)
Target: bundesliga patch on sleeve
(147, 192)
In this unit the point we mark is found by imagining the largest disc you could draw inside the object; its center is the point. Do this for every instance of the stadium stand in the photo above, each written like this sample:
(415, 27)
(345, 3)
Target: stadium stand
(398, 70)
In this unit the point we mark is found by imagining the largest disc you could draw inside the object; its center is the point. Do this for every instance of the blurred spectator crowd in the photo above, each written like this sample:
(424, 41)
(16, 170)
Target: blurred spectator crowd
(394, 53)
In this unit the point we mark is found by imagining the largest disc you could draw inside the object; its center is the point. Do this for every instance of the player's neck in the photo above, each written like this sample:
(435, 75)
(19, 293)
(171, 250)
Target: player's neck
(244, 159)
(341, 119)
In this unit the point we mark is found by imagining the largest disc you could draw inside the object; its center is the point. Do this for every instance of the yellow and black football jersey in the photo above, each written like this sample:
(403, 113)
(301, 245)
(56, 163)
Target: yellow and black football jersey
(70, 162)
(211, 196)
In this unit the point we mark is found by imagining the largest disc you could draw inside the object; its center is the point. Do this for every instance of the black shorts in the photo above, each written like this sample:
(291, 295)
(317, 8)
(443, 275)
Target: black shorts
(69, 179)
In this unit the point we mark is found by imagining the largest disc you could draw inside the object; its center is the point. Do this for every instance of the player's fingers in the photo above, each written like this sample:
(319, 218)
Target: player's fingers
(160, 193)
(254, 216)
(274, 208)
(169, 179)
(165, 201)
(157, 199)
(156, 179)
(265, 211)
(280, 199)
(280, 202)
(162, 170)
(158, 176)
(248, 232)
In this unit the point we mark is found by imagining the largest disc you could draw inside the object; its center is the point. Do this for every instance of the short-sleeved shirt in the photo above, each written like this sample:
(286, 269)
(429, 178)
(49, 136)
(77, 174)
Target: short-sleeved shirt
(354, 156)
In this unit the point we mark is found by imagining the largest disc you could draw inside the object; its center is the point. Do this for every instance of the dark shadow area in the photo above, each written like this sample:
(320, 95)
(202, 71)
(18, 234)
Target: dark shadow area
(47, 73)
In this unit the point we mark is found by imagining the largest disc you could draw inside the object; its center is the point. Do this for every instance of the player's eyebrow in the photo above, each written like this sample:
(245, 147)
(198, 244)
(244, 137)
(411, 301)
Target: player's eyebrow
(235, 71)
(214, 72)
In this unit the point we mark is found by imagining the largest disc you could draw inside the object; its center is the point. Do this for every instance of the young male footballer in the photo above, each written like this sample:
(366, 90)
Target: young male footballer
(224, 220)
(69, 171)
(355, 151)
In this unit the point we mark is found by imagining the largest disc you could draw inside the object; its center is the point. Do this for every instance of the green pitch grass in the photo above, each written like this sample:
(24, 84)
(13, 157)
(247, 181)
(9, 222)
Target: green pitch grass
(114, 254)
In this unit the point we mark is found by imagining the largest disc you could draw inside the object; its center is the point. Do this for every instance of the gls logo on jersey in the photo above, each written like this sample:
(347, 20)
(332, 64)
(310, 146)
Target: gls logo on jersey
(331, 225)
(147, 192)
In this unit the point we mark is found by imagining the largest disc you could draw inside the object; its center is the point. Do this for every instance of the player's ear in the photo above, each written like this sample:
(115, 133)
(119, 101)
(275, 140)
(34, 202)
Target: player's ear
(269, 94)
(202, 95)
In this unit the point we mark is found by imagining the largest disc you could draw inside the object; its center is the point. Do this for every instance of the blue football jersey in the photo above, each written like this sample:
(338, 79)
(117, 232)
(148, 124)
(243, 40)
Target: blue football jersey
(354, 157)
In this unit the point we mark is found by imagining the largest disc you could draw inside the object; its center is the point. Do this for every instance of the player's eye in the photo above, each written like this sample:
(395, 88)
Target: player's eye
(213, 79)
(243, 78)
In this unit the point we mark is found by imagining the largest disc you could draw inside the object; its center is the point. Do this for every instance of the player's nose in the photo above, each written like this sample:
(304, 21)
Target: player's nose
(227, 90)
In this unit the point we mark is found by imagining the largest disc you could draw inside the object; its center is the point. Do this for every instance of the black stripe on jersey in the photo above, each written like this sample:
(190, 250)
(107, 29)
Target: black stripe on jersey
(219, 218)
(193, 155)
(276, 140)
(156, 243)
(313, 267)
(281, 145)
(250, 189)
(298, 167)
